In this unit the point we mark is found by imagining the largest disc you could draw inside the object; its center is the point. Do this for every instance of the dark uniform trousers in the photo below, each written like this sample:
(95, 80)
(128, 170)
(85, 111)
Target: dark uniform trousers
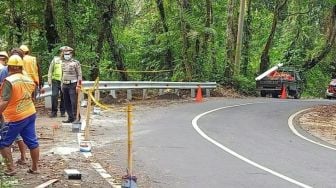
(56, 91)
(70, 99)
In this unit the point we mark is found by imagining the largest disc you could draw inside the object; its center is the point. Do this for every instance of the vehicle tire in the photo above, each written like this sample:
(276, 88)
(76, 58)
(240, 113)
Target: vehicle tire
(329, 97)
(263, 93)
(275, 95)
(297, 95)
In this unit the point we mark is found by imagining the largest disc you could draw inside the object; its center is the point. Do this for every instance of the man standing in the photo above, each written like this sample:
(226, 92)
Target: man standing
(18, 110)
(54, 80)
(32, 68)
(71, 82)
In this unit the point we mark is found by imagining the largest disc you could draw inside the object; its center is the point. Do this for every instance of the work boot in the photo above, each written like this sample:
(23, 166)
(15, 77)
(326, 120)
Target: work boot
(68, 121)
(62, 114)
(53, 115)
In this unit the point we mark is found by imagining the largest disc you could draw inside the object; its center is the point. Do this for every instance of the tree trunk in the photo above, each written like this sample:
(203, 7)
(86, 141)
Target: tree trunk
(115, 51)
(68, 24)
(184, 32)
(230, 40)
(117, 56)
(105, 27)
(329, 43)
(246, 39)
(17, 23)
(208, 22)
(265, 60)
(50, 25)
(168, 56)
(236, 71)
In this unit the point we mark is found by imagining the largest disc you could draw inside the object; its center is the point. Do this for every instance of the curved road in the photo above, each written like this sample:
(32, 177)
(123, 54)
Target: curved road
(231, 143)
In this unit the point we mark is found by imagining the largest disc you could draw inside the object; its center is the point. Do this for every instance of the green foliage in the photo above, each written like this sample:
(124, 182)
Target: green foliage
(143, 40)
(245, 85)
(317, 81)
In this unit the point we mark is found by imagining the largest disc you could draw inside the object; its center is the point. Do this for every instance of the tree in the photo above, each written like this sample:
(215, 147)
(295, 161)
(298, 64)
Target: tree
(328, 44)
(265, 60)
(231, 39)
(50, 25)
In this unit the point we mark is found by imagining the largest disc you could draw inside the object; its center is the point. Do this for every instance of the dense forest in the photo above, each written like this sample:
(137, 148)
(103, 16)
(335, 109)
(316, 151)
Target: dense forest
(227, 41)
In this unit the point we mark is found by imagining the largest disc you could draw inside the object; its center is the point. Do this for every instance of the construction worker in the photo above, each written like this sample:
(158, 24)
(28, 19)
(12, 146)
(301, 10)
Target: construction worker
(32, 68)
(3, 59)
(18, 110)
(71, 82)
(54, 80)
(3, 74)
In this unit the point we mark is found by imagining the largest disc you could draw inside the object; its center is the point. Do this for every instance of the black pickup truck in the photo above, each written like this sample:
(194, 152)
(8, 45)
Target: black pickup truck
(287, 78)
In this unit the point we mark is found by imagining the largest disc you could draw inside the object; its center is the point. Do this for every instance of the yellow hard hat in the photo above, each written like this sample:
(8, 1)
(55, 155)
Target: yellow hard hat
(15, 60)
(4, 53)
(24, 48)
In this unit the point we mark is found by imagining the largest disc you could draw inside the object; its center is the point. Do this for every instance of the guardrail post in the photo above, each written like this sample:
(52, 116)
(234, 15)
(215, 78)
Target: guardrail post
(207, 92)
(144, 94)
(160, 91)
(177, 92)
(97, 95)
(113, 94)
(192, 93)
(47, 102)
(129, 94)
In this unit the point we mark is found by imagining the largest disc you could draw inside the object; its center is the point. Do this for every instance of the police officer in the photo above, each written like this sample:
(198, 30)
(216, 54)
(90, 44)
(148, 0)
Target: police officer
(54, 80)
(71, 82)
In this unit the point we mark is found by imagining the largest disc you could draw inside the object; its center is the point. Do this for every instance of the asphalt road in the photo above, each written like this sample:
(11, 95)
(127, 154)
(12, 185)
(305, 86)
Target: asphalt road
(230, 143)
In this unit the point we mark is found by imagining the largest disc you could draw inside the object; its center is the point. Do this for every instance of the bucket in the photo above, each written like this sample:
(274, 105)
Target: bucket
(96, 110)
(76, 127)
(129, 182)
(85, 146)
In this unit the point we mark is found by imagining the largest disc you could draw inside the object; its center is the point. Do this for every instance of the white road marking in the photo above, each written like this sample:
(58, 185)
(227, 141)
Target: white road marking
(105, 175)
(194, 123)
(291, 126)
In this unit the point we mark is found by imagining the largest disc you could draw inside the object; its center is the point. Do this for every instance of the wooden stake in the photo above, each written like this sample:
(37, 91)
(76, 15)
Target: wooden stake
(88, 112)
(129, 131)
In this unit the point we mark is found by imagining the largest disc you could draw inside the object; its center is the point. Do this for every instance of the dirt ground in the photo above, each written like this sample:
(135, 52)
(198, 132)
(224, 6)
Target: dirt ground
(60, 150)
(320, 121)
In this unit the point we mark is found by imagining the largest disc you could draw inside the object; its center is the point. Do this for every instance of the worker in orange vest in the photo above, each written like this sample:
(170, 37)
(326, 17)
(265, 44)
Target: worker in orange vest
(18, 110)
(32, 68)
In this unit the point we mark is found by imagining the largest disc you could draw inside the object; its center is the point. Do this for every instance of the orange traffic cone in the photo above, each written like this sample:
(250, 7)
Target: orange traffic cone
(199, 97)
(283, 93)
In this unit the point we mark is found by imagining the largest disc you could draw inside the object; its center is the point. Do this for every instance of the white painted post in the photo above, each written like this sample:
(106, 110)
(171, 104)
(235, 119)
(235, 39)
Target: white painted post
(47, 102)
(192, 95)
(97, 95)
(129, 94)
(113, 94)
(207, 92)
(160, 91)
(144, 94)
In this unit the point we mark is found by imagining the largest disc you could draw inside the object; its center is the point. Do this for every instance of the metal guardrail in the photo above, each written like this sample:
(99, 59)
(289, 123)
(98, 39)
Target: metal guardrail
(115, 85)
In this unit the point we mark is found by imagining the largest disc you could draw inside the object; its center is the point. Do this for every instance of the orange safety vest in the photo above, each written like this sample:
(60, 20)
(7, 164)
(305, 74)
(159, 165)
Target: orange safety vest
(30, 66)
(20, 104)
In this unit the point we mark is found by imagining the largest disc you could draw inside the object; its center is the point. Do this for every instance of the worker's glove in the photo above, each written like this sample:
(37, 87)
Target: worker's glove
(42, 90)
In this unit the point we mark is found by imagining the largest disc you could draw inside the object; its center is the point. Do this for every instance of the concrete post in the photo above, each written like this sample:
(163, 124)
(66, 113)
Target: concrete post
(97, 95)
(207, 92)
(144, 94)
(129, 94)
(113, 94)
(192, 95)
(47, 102)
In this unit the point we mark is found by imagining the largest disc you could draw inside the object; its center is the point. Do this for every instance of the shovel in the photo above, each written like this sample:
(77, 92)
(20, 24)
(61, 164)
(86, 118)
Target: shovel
(76, 125)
